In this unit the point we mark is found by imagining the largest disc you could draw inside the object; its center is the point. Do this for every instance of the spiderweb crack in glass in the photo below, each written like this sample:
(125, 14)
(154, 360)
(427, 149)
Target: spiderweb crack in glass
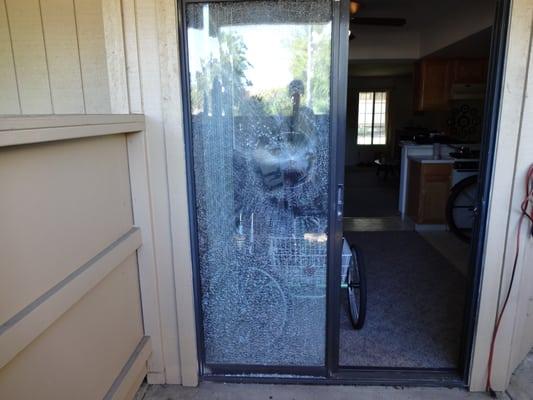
(260, 94)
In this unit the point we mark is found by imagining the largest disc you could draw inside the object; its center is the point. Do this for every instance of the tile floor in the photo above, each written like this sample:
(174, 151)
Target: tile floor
(376, 224)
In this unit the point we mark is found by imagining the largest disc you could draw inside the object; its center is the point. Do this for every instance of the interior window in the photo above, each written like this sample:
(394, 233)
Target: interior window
(372, 118)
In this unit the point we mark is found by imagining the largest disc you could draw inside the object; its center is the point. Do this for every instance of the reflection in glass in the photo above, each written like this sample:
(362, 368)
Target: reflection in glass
(260, 104)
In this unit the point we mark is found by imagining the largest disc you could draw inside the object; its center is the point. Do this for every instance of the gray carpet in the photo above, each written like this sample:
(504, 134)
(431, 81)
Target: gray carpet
(415, 305)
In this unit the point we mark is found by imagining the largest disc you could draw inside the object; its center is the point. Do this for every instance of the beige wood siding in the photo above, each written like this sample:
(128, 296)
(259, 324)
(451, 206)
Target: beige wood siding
(53, 57)
(59, 27)
(24, 21)
(71, 323)
(80, 355)
(79, 185)
(93, 56)
(9, 101)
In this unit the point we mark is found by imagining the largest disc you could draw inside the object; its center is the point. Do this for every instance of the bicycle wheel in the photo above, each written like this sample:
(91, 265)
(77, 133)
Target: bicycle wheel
(461, 206)
(356, 289)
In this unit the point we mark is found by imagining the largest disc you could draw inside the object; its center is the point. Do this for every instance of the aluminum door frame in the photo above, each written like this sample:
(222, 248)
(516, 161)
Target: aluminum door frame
(338, 89)
(331, 373)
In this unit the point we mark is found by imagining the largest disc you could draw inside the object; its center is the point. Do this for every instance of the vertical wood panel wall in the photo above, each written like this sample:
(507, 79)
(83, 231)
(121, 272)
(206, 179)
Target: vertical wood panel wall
(9, 101)
(109, 57)
(53, 57)
(57, 185)
(71, 307)
(27, 41)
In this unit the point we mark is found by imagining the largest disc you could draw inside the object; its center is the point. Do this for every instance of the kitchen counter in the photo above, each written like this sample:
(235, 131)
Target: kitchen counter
(430, 160)
(422, 152)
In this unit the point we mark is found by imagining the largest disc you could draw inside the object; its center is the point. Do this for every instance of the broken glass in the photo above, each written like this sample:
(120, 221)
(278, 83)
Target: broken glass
(260, 108)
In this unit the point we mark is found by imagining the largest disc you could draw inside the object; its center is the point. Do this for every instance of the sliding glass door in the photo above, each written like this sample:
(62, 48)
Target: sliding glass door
(259, 97)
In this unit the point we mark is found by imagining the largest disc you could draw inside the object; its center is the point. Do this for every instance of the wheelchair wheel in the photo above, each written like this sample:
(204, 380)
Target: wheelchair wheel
(461, 208)
(356, 289)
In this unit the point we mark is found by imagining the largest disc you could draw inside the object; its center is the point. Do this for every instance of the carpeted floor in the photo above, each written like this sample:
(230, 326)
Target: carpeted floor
(367, 195)
(415, 305)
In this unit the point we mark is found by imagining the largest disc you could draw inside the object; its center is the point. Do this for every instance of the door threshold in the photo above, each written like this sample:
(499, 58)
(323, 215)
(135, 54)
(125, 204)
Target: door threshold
(400, 377)
(354, 377)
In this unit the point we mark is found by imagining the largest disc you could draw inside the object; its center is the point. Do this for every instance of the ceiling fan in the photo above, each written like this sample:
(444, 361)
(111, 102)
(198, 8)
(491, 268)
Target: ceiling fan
(355, 7)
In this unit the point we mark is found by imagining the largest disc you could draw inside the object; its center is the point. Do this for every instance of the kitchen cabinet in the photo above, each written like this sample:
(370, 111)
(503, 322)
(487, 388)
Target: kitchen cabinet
(434, 78)
(428, 189)
(470, 71)
(432, 84)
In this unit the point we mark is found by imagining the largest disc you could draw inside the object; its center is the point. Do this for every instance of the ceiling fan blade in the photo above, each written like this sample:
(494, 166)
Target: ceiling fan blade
(378, 21)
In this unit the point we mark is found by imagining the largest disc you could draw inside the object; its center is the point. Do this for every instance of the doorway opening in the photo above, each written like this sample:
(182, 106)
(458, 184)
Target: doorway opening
(324, 140)
(416, 140)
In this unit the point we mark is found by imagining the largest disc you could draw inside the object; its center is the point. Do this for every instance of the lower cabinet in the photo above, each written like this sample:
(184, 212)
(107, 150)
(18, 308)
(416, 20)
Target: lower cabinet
(427, 193)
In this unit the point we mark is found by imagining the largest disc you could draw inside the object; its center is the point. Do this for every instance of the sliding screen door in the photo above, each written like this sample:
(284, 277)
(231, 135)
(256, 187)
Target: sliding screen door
(259, 97)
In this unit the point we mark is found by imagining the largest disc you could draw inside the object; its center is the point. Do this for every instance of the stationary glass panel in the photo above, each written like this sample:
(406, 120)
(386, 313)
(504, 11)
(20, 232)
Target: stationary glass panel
(260, 109)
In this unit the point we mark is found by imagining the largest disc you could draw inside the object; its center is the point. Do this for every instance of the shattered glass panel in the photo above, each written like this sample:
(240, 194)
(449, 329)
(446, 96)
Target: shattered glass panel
(260, 106)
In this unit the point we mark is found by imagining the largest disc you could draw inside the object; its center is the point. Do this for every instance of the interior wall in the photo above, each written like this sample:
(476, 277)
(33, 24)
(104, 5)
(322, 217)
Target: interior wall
(379, 43)
(400, 113)
(453, 22)
(53, 57)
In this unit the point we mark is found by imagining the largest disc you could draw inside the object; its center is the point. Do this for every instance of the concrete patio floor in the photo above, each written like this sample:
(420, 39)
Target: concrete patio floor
(521, 388)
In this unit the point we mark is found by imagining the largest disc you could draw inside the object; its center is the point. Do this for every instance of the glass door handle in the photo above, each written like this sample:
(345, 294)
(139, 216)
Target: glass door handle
(340, 202)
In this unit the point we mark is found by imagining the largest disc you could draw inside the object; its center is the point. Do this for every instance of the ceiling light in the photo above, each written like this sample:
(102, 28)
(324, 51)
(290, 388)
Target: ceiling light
(354, 7)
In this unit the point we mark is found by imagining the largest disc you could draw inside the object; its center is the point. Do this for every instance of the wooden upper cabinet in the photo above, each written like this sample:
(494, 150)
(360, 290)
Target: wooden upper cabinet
(434, 78)
(432, 84)
(470, 71)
